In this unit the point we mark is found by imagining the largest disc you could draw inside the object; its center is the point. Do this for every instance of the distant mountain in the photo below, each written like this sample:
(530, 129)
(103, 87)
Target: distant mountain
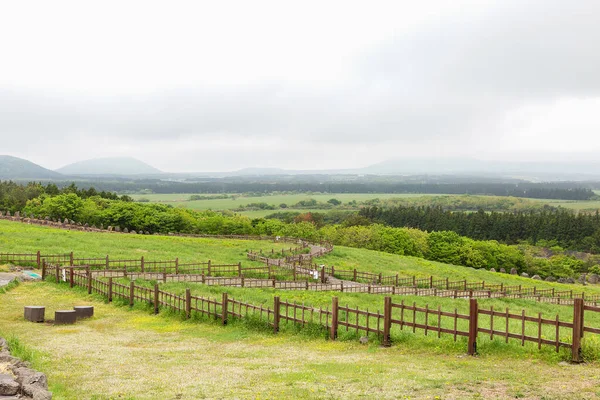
(114, 166)
(530, 170)
(18, 168)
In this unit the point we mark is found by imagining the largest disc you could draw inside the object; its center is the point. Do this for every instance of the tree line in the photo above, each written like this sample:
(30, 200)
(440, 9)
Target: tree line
(576, 231)
(548, 190)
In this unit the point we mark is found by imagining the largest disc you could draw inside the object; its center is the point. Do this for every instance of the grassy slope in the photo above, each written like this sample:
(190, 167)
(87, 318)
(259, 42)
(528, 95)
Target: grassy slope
(122, 353)
(18, 237)
(22, 238)
(391, 264)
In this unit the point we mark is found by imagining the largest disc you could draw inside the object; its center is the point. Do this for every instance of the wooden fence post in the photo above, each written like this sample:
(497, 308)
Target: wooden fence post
(71, 259)
(38, 257)
(89, 277)
(276, 313)
(110, 289)
(107, 262)
(208, 268)
(188, 303)
(177, 266)
(43, 269)
(430, 281)
(387, 321)
(57, 274)
(354, 278)
(323, 274)
(577, 331)
(239, 269)
(473, 314)
(379, 278)
(294, 274)
(224, 309)
(71, 277)
(334, 318)
(131, 293)
(396, 280)
(156, 298)
(142, 263)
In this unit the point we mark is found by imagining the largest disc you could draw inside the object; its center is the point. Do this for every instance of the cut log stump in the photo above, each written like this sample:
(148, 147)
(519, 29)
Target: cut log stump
(84, 311)
(64, 317)
(35, 313)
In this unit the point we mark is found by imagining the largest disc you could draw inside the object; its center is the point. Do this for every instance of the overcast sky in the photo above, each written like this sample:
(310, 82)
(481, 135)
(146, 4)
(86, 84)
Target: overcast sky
(222, 85)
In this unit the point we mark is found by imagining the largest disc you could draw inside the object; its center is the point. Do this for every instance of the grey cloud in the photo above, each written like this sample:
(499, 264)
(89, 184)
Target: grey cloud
(448, 80)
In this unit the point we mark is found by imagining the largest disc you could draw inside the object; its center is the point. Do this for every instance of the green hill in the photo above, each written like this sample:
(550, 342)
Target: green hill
(18, 168)
(115, 166)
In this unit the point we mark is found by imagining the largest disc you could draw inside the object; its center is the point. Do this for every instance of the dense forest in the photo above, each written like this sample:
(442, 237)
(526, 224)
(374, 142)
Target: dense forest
(14, 197)
(570, 230)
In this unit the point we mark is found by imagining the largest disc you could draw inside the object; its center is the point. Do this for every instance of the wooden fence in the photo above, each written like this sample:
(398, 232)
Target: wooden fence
(501, 325)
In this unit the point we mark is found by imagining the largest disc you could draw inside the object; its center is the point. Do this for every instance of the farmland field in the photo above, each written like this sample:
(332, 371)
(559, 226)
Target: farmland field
(291, 199)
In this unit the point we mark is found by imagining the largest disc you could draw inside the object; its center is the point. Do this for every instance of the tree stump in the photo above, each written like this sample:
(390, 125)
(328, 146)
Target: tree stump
(84, 311)
(65, 317)
(35, 313)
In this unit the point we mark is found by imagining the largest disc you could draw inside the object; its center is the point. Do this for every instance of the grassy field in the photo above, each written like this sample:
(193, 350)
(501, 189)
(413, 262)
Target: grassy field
(130, 354)
(290, 199)
(22, 238)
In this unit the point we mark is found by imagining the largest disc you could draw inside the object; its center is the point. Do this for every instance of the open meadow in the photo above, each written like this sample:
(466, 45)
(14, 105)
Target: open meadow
(131, 354)
(408, 199)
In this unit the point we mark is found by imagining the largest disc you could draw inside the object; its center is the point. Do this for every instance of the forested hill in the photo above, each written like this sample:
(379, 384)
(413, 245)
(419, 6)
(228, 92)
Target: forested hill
(570, 230)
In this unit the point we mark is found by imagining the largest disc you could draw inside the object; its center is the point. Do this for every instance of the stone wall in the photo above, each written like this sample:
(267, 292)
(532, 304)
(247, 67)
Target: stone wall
(18, 380)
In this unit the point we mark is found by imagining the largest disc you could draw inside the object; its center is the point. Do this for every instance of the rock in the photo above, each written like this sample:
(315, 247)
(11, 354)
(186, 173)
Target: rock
(513, 271)
(17, 214)
(364, 340)
(593, 278)
(550, 279)
(3, 345)
(8, 386)
(86, 225)
(502, 271)
(570, 280)
(125, 230)
(110, 228)
(42, 395)
(8, 213)
(7, 358)
(562, 280)
(492, 269)
(117, 229)
(525, 275)
(27, 376)
(536, 277)
(133, 232)
(582, 279)
(146, 233)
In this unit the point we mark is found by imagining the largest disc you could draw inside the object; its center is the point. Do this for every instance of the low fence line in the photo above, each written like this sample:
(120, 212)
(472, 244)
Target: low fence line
(499, 324)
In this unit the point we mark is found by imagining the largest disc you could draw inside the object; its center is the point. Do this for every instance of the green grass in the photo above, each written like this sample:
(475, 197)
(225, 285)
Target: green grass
(391, 264)
(22, 238)
(130, 354)
(181, 199)
(275, 199)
